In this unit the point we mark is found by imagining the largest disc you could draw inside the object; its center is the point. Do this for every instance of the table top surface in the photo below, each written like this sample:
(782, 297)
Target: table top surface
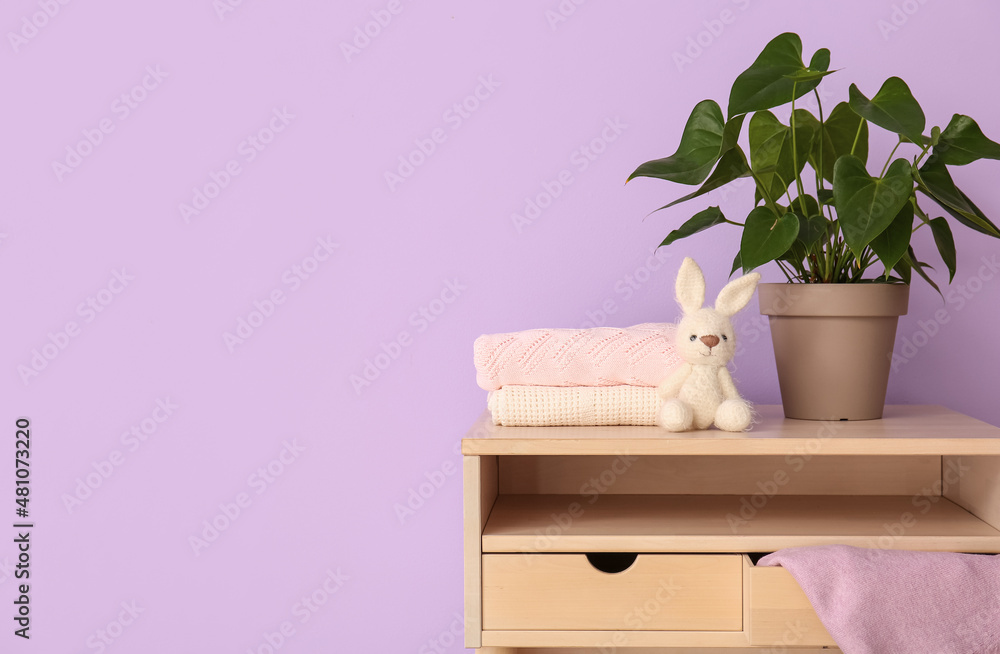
(903, 429)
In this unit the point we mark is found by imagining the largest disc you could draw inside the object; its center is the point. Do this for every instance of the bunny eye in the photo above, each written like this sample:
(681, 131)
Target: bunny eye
(693, 337)
(724, 337)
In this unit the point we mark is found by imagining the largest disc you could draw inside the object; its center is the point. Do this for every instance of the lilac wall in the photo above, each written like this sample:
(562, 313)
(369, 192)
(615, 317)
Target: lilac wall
(148, 400)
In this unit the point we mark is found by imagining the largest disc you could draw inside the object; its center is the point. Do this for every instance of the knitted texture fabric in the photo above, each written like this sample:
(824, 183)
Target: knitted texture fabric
(643, 355)
(551, 406)
(703, 393)
(896, 602)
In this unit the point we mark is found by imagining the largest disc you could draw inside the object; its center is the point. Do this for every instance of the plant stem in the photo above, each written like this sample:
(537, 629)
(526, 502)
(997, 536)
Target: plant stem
(795, 158)
(890, 157)
(840, 258)
(764, 194)
(784, 270)
(822, 124)
(923, 151)
(857, 135)
(830, 250)
(920, 212)
(864, 263)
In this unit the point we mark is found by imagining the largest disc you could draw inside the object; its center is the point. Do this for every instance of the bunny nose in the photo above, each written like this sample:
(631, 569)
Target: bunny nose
(710, 341)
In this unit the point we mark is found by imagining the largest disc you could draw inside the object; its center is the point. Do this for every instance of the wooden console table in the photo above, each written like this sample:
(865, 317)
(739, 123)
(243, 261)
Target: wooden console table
(604, 538)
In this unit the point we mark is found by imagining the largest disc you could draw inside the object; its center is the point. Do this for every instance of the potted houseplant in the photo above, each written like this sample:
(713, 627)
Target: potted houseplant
(840, 234)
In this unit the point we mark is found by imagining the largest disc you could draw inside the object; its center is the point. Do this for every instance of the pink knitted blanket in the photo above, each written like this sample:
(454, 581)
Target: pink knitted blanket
(643, 355)
(896, 602)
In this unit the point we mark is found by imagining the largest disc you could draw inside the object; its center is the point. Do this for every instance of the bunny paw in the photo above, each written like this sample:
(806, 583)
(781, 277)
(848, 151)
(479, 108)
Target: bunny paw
(676, 416)
(733, 415)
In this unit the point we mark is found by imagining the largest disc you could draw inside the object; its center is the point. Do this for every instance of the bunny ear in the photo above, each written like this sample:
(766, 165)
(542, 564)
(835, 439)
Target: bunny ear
(690, 286)
(735, 295)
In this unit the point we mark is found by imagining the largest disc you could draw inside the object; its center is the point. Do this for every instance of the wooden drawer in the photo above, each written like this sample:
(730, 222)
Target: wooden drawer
(780, 613)
(665, 592)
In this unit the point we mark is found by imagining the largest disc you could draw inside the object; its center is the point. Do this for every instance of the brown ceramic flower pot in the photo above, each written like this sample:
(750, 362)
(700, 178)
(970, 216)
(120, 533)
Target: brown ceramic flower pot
(833, 346)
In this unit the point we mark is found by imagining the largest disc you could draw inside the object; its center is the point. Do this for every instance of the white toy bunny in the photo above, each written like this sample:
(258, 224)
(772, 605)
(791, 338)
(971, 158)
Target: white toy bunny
(701, 391)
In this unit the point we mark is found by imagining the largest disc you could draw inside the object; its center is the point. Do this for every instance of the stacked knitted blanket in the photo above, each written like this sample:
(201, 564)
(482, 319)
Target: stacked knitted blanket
(600, 376)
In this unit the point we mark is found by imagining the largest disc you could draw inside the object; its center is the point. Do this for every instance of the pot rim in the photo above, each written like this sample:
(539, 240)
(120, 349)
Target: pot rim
(833, 300)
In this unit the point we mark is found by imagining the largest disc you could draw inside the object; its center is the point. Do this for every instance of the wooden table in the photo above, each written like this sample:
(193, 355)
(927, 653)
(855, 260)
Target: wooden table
(682, 514)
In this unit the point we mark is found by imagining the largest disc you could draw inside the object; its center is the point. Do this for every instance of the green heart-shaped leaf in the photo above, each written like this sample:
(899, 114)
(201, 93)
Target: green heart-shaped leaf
(820, 61)
(799, 249)
(731, 166)
(698, 151)
(765, 237)
(945, 244)
(764, 84)
(891, 244)
(893, 108)
(904, 269)
(865, 204)
(936, 182)
(804, 118)
(795, 254)
(809, 75)
(697, 223)
(912, 263)
(963, 142)
(737, 264)
(812, 229)
(812, 224)
(837, 138)
(805, 205)
(771, 150)
(731, 134)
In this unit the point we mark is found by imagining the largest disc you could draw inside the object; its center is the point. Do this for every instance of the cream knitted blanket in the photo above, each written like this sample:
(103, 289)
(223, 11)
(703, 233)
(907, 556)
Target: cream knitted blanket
(550, 406)
(643, 355)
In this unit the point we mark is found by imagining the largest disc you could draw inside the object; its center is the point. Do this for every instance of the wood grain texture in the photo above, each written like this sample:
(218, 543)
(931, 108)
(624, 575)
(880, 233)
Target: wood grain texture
(780, 614)
(658, 592)
(617, 641)
(479, 493)
(745, 564)
(911, 430)
(882, 483)
(727, 523)
(973, 482)
(719, 475)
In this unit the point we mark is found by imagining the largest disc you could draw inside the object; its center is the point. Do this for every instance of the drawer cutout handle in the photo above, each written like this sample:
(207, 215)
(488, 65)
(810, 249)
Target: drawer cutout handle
(612, 562)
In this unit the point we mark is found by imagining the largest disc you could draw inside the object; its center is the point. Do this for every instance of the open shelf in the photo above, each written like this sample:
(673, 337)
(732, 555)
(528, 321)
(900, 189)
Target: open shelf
(536, 498)
(904, 430)
(713, 523)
